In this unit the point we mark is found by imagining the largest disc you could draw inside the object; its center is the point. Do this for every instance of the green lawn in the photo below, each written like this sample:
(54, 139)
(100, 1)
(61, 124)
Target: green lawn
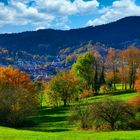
(13, 134)
(52, 124)
(122, 96)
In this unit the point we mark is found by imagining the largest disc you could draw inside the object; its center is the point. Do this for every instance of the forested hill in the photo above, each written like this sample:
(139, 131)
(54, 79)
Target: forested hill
(118, 34)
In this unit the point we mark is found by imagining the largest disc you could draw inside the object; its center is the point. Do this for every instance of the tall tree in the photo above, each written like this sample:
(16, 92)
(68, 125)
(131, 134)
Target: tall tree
(123, 76)
(131, 57)
(102, 77)
(137, 83)
(96, 84)
(112, 63)
(84, 69)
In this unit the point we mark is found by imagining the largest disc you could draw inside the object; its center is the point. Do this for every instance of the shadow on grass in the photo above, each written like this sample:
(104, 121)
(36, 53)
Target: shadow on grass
(52, 111)
(49, 120)
(48, 130)
(45, 119)
(119, 92)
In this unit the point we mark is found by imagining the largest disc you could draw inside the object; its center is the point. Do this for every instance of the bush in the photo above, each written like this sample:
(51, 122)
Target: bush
(104, 89)
(134, 124)
(86, 93)
(106, 115)
(135, 102)
(82, 116)
(111, 112)
(18, 98)
(103, 127)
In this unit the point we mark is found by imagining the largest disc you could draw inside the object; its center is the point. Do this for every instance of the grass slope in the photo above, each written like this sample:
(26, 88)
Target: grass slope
(52, 124)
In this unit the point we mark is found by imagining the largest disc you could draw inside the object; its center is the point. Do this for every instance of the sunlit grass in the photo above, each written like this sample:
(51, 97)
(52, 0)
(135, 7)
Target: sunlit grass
(13, 134)
(52, 124)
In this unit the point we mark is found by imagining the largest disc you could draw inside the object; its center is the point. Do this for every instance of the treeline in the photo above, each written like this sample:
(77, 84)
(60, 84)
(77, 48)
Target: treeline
(93, 74)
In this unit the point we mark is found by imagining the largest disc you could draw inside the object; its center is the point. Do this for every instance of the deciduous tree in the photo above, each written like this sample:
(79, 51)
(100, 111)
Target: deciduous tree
(112, 63)
(62, 87)
(131, 57)
(84, 68)
(18, 98)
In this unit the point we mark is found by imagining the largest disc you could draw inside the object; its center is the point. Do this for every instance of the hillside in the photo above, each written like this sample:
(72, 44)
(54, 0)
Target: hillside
(44, 52)
(49, 41)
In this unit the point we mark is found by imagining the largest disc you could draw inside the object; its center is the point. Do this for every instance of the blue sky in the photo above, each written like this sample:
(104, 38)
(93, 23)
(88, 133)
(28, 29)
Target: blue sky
(23, 15)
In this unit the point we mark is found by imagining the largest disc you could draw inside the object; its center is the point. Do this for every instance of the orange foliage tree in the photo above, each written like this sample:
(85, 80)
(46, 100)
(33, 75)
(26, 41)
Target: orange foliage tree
(131, 57)
(15, 78)
(137, 83)
(136, 100)
(112, 61)
(17, 95)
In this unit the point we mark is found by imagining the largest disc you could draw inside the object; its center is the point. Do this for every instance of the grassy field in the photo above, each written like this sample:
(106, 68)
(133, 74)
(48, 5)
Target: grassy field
(52, 124)
(13, 134)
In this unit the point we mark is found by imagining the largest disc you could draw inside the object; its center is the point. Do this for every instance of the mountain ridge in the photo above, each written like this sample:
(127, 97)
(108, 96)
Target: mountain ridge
(50, 41)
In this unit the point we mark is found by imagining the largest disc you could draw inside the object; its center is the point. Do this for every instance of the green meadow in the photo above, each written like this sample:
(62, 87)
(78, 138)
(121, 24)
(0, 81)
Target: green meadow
(52, 124)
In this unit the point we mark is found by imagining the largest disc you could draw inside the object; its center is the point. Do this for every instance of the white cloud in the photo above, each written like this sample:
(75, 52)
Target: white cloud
(118, 10)
(44, 13)
(55, 13)
(66, 7)
(85, 7)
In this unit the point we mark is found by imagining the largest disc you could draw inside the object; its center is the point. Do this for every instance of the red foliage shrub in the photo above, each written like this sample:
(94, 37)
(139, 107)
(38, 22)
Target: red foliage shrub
(135, 101)
(86, 93)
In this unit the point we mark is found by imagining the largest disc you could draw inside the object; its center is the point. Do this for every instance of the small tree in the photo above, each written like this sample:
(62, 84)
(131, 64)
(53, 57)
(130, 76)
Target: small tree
(62, 87)
(82, 115)
(111, 112)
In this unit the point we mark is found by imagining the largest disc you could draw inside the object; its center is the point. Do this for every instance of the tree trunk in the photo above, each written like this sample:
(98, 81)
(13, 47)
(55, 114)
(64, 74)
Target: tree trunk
(112, 126)
(65, 102)
(114, 77)
(122, 85)
(125, 86)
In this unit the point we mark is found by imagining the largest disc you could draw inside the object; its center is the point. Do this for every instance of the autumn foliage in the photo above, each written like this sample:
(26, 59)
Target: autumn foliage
(137, 83)
(17, 95)
(62, 88)
(86, 93)
(15, 78)
(135, 101)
